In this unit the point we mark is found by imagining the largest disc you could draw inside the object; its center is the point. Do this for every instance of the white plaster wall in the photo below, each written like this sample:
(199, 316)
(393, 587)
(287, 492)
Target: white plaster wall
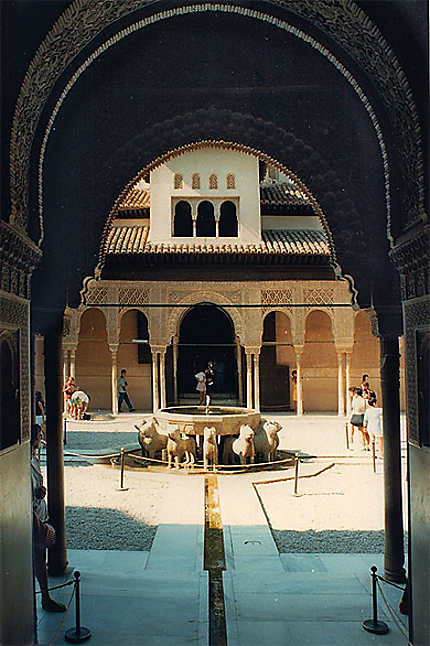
(206, 162)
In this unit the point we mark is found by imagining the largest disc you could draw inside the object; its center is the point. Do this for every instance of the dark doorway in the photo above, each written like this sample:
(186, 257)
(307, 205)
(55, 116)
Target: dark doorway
(274, 377)
(207, 334)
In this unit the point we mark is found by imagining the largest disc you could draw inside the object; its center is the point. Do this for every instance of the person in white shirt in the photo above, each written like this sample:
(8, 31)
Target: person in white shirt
(373, 423)
(358, 404)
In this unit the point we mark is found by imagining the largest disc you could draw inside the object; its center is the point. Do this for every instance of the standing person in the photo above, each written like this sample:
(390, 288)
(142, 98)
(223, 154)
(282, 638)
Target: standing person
(122, 392)
(40, 529)
(357, 417)
(201, 387)
(373, 423)
(40, 415)
(68, 390)
(80, 401)
(210, 378)
(294, 388)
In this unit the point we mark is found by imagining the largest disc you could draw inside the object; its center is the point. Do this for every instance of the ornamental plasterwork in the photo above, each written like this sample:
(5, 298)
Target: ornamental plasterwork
(133, 296)
(342, 21)
(98, 295)
(272, 297)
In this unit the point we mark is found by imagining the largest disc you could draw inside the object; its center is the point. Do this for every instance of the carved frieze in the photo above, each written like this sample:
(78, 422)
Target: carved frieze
(412, 259)
(417, 315)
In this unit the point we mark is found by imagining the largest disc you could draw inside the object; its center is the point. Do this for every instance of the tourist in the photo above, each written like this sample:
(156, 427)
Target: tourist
(201, 387)
(373, 423)
(368, 393)
(42, 531)
(122, 392)
(68, 390)
(39, 412)
(210, 378)
(294, 388)
(80, 401)
(357, 417)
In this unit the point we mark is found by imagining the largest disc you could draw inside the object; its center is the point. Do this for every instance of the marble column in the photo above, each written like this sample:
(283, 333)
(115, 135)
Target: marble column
(299, 352)
(348, 382)
(162, 354)
(155, 382)
(175, 369)
(257, 381)
(57, 555)
(72, 364)
(113, 347)
(239, 371)
(340, 384)
(390, 385)
(248, 378)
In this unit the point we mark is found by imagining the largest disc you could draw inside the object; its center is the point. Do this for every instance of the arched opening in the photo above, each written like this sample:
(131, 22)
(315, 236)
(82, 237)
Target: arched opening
(205, 220)
(136, 358)
(319, 364)
(365, 354)
(207, 334)
(93, 360)
(9, 397)
(277, 355)
(182, 222)
(228, 226)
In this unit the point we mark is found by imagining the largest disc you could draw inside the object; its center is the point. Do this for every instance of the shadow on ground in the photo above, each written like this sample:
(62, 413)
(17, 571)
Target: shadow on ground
(99, 440)
(91, 528)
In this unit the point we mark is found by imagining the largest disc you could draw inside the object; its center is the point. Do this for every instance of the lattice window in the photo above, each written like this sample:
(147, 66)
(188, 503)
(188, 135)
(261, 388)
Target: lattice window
(196, 180)
(133, 295)
(231, 182)
(273, 297)
(97, 295)
(213, 181)
(178, 181)
(319, 296)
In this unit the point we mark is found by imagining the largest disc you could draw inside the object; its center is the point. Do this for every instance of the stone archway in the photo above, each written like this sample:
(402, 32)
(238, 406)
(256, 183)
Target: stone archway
(207, 333)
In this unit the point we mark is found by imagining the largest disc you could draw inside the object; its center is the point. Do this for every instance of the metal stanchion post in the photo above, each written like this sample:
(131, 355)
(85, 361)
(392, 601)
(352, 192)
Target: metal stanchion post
(373, 625)
(347, 436)
(64, 431)
(296, 473)
(373, 455)
(79, 633)
(121, 486)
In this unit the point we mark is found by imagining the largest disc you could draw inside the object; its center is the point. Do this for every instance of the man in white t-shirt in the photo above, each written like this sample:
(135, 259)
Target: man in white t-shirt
(122, 392)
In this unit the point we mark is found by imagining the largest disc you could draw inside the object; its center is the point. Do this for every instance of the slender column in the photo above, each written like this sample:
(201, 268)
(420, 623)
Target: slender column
(217, 228)
(65, 375)
(248, 378)
(390, 383)
(257, 381)
(72, 364)
(155, 397)
(194, 227)
(348, 382)
(340, 385)
(57, 555)
(239, 371)
(175, 369)
(162, 354)
(299, 352)
(113, 347)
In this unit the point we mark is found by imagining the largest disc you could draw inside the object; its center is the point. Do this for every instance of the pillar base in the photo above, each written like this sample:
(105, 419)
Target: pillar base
(395, 576)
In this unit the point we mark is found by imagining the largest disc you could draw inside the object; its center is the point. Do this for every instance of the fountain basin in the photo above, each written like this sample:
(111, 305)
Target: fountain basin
(193, 419)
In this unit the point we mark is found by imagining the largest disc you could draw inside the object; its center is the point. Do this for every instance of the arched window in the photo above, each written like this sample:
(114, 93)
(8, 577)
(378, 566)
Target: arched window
(178, 181)
(182, 222)
(213, 181)
(205, 220)
(228, 227)
(231, 182)
(196, 180)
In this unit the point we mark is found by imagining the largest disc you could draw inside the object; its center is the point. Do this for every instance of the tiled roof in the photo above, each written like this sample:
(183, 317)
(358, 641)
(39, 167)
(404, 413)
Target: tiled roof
(136, 199)
(281, 194)
(133, 240)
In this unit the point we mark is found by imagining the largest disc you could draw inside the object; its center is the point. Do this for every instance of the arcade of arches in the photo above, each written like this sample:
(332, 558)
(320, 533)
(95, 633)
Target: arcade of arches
(254, 349)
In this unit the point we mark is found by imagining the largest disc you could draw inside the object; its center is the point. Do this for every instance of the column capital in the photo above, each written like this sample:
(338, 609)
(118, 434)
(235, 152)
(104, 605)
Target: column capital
(158, 348)
(113, 347)
(298, 349)
(252, 349)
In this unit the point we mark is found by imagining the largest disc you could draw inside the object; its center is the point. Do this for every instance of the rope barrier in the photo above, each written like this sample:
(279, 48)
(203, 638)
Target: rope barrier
(309, 475)
(390, 610)
(52, 641)
(395, 585)
(222, 466)
(57, 587)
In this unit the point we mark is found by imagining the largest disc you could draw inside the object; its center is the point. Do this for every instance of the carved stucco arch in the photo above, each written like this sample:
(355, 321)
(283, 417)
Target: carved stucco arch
(143, 310)
(264, 312)
(81, 310)
(328, 311)
(340, 20)
(177, 314)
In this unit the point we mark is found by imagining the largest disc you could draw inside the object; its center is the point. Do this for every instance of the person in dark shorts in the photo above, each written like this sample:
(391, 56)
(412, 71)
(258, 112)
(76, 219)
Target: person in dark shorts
(210, 378)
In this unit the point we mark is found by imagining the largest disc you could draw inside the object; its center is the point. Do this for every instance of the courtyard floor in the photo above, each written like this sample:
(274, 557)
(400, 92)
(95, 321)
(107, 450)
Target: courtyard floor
(297, 566)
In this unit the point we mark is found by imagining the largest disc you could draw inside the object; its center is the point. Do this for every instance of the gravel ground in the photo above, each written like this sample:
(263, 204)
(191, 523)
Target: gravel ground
(340, 510)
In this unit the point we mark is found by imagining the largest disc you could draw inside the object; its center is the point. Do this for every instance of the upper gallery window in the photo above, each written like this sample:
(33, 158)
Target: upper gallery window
(205, 226)
(178, 181)
(182, 221)
(195, 180)
(213, 181)
(230, 181)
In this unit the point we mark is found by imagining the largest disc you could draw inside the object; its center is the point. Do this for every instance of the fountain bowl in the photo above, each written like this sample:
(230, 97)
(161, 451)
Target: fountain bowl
(192, 420)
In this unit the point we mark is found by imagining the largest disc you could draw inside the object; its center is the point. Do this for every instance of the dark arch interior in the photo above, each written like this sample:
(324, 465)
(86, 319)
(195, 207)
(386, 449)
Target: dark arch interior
(228, 220)
(183, 222)
(207, 334)
(205, 220)
(9, 398)
(274, 378)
